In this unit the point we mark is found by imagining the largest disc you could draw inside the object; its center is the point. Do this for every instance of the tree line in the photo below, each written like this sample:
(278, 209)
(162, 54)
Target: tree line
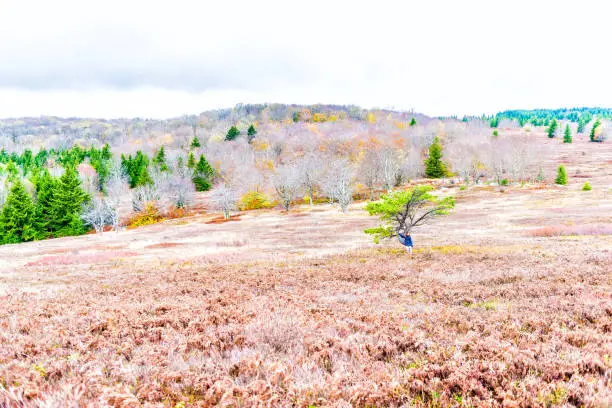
(43, 195)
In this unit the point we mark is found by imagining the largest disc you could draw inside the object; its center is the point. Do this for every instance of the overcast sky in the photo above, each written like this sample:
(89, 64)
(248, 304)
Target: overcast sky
(124, 58)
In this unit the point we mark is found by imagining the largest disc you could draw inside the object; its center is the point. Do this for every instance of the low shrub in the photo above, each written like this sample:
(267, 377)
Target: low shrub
(149, 215)
(254, 200)
(586, 187)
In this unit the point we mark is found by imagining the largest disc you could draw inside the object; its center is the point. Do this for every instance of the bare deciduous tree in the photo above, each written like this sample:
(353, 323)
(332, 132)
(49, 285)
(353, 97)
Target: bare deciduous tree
(369, 172)
(224, 198)
(181, 190)
(337, 184)
(309, 169)
(286, 183)
(116, 189)
(389, 166)
(97, 213)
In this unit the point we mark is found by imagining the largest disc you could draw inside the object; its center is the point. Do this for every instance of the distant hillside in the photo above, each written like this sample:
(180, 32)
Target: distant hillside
(541, 117)
(57, 132)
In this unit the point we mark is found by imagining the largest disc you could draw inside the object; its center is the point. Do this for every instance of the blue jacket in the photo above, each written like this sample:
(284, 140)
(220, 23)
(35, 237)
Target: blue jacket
(405, 239)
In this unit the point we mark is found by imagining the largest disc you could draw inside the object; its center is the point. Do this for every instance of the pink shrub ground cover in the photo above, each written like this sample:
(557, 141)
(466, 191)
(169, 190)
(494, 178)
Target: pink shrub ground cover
(565, 230)
(369, 328)
(76, 259)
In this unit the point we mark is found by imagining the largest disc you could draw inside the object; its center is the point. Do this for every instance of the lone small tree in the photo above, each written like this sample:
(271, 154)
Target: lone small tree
(434, 166)
(251, 132)
(413, 122)
(160, 159)
(552, 129)
(195, 143)
(191, 163)
(203, 174)
(567, 136)
(404, 210)
(286, 183)
(561, 176)
(597, 134)
(224, 198)
(337, 183)
(232, 133)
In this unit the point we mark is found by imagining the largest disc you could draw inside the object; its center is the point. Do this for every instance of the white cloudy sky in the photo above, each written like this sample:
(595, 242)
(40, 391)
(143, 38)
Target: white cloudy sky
(118, 58)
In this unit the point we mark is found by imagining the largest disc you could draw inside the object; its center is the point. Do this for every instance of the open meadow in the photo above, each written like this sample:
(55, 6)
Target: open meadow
(507, 301)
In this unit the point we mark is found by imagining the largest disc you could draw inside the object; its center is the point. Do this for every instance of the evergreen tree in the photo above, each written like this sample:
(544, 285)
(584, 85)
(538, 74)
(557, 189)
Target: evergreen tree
(106, 153)
(191, 163)
(413, 122)
(45, 193)
(40, 160)
(567, 136)
(26, 161)
(136, 169)
(595, 131)
(12, 171)
(581, 125)
(160, 159)
(552, 129)
(195, 143)
(232, 133)
(67, 205)
(494, 122)
(434, 166)
(4, 156)
(561, 176)
(251, 132)
(202, 175)
(18, 216)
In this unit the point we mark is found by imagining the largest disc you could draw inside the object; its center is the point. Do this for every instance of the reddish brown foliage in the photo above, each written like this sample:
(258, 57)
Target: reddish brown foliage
(370, 328)
(562, 230)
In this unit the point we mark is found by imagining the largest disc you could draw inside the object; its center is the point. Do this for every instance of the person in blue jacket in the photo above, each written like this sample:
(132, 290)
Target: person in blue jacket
(405, 240)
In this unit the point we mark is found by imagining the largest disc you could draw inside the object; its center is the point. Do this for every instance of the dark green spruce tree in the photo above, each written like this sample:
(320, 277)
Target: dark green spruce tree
(45, 193)
(567, 135)
(18, 216)
(160, 159)
(202, 175)
(434, 166)
(251, 132)
(67, 205)
(232, 133)
(552, 129)
(195, 143)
